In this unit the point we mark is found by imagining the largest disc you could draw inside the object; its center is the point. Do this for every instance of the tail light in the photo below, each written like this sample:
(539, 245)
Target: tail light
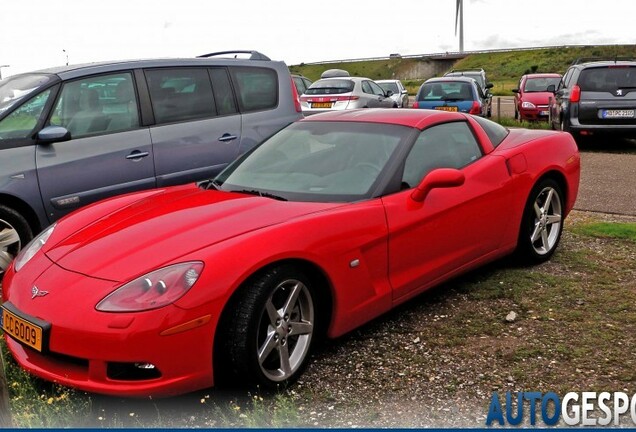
(416, 105)
(344, 98)
(295, 96)
(475, 109)
(575, 94)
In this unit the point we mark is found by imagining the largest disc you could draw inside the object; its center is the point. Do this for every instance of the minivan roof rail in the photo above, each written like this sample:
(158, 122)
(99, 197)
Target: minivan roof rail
(254, 55)
(599, 59)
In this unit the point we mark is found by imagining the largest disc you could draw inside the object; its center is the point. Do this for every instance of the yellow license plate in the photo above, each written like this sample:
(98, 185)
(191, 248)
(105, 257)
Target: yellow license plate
(321, 105)
(446, 108)
(22, 330)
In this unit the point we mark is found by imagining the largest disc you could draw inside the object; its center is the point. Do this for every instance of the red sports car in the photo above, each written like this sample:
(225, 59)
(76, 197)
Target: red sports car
(532, 96)
(331, 222)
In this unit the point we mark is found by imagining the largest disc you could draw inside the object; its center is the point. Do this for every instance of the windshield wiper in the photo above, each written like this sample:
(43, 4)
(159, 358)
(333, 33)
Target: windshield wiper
(261, 194)
(210, 184)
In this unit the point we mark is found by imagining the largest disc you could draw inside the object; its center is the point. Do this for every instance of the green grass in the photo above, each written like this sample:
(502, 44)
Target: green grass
(626, 231)
(503, 68)
(510, 122)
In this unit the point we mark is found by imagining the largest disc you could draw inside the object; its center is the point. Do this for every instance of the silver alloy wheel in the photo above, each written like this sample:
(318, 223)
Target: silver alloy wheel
(9, 244)
(547, 221)
(285, 330)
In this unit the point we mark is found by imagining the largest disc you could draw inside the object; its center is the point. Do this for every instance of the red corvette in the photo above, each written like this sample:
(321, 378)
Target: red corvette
(331, 222)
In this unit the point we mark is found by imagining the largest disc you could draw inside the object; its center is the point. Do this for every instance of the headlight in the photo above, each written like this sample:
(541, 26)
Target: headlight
(32, 248)
(153, 290)
(528, 105)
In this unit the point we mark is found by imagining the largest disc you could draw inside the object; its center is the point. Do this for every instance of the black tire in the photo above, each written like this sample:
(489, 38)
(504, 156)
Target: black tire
(282, 335)
(516, 115)
(15, 233)
(541, 225)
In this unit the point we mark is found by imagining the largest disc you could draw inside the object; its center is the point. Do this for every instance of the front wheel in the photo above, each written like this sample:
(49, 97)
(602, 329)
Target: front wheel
(542, 222)
(272, 329)
(15, 233)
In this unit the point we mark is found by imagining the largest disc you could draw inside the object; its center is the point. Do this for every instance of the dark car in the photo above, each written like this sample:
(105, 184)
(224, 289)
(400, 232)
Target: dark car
(532, 96)
(72, 135)
(478, 75)
(596, 97)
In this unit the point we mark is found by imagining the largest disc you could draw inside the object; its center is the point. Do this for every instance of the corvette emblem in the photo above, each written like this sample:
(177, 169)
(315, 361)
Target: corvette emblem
(36, 292)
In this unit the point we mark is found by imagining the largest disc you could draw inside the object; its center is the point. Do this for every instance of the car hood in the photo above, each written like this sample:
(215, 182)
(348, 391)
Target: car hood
(537, 98)
(158, 229)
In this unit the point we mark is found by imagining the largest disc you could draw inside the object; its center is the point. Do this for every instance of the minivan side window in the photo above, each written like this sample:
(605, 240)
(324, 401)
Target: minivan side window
(257, 88)
(180, 94)
(21, 122)
(96, 105)
(223, 94)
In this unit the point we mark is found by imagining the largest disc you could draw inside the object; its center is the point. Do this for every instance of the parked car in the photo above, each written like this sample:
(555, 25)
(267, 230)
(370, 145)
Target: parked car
(451, 94)
(331, 222)
(400, 96)
(336, 90)
(302, 83)
(478, 75)
(596, 97)
(73, 135)
(532, 95)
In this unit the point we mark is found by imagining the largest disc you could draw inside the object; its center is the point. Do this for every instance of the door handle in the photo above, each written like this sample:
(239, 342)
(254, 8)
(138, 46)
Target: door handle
(136, 155)
(227, 137)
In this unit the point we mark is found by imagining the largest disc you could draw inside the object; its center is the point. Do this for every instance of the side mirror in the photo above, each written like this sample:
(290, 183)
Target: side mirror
(551, 88)
(489, 85)
(52, 134)
(389, 93)
(515, 90)
(438, 178)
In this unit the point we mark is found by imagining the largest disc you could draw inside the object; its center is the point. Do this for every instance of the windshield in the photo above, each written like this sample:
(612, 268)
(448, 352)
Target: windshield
(445, 91)
(317, 161)
(330, 86)
(540, 84)
(16, 88)
(390, 86)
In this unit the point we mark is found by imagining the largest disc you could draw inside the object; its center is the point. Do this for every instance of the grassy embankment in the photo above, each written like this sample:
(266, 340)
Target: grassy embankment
(503, 68)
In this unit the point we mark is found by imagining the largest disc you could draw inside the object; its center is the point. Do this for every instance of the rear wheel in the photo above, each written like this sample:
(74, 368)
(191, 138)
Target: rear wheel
(542, 222)
(272, 329)
(15, 232)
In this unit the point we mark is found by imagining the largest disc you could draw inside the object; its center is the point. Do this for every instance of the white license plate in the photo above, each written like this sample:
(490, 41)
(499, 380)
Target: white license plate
(544, 113)
(617, 113)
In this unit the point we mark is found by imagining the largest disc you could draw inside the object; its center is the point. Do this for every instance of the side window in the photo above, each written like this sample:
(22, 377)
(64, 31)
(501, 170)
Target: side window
(223, 93)
(565, 82)
(99, 104)
(366, 87)
(180, 94)
(21, 122)
(377, 90)
(449, 145)
(257, 88)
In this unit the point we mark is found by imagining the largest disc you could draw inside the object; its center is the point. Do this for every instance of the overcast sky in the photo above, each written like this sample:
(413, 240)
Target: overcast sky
(41, 33)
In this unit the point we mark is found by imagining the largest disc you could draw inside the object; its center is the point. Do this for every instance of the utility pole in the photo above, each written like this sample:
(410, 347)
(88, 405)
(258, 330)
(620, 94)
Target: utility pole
(5, 409)
(2, 66)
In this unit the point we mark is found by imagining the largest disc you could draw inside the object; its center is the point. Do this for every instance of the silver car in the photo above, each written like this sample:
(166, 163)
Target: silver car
(336, 90)
(400, 95)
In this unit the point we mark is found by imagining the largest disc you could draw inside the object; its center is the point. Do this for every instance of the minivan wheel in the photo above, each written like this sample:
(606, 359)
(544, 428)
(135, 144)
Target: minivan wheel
(15, 232)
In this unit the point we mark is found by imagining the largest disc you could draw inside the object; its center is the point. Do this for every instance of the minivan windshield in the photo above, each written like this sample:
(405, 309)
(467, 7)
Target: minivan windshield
(16, 88)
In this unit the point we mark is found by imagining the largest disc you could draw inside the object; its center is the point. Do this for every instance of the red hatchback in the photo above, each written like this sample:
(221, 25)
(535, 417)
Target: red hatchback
(532, 96)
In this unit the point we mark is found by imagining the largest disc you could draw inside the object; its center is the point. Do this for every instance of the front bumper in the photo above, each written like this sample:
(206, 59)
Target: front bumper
(110, 353)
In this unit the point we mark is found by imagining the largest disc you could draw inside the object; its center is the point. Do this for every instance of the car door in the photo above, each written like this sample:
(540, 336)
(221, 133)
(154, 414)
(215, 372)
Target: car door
(197, 128)
(383, 100)
(558, 106)
(108, 153)
(453, 227)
